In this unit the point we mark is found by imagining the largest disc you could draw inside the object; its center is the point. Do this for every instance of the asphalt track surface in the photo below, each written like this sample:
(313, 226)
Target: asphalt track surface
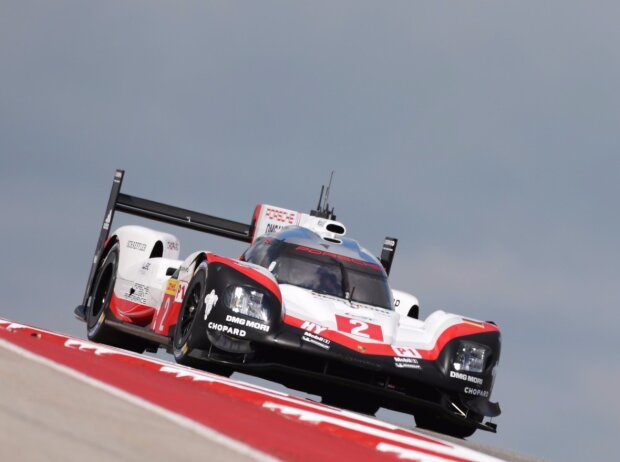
(47, 415)
(48, 411)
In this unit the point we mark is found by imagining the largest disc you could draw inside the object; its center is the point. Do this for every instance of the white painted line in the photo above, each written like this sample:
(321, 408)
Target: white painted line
(387, 437)
(202, 430)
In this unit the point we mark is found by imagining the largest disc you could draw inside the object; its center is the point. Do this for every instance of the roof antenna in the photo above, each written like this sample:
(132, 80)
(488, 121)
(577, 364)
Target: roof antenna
(322, 209)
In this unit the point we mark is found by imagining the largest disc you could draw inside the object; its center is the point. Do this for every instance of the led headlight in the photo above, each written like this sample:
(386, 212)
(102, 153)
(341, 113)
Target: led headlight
(245, 300)
(471, 357)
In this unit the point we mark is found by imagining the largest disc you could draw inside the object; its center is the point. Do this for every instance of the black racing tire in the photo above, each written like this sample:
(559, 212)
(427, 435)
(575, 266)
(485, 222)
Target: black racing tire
(351, 401)
(439, 424)
(97, 309)
(183, 338)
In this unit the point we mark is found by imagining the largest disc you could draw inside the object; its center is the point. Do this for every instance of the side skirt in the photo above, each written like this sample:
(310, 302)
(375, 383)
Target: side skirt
(138, 331)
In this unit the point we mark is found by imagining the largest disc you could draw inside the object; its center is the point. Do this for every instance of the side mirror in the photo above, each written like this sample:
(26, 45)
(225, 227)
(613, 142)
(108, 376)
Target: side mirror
(387, 253)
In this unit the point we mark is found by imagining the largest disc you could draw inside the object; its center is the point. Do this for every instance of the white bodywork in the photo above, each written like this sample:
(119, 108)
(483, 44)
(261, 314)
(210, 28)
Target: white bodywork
(143, 280)
(272, 219)
(397, 329)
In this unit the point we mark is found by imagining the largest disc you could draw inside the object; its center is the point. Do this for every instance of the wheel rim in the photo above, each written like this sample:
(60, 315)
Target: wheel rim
(188, 315)
(100, 297)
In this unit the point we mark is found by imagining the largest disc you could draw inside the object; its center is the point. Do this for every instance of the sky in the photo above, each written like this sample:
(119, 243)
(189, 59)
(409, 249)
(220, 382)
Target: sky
(483, 134)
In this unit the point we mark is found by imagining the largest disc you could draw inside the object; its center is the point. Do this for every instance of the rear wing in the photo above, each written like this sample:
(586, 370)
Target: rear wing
(119, 202)
(266, 219)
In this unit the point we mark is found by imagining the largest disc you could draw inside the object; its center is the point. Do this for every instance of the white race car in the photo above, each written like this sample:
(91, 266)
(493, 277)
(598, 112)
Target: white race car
(305, 306)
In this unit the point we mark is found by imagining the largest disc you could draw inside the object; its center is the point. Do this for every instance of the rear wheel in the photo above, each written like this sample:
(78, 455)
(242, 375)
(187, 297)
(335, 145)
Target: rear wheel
(97, 309)
(191, 308)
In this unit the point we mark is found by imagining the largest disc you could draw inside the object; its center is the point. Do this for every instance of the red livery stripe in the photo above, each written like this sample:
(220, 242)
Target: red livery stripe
(128, 311)
(385, 349)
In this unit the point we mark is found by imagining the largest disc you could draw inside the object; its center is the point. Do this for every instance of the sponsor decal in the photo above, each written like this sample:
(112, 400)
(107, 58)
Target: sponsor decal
(108, 219)
(138, 293)
(357, 316)
(146, 266)
(226, 329)
(406, 360)
(172, 286)
(210, 301)
(476, 392)
(359, 328)
(377, 309)
(247, 323)
(172, 245)
(466, 377)
(135, 245)
(406, 352)
(312, 327)
(316, 340)
(283, 216)
(388, 244)
(273, 228)
(181, 291)
(407, 363)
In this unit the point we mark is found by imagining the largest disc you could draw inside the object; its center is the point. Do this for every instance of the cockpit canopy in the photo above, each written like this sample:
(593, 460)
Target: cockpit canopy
(299, 263)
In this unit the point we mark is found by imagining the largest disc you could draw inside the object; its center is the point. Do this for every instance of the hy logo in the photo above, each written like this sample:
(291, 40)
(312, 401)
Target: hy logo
(312, 327)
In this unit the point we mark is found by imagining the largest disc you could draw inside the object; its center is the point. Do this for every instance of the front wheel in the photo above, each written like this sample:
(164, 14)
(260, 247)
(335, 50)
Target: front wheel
(439, 424)
(191, 308)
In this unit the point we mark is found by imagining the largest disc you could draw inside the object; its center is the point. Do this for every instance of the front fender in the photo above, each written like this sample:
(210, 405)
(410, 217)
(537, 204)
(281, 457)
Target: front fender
(224, 328)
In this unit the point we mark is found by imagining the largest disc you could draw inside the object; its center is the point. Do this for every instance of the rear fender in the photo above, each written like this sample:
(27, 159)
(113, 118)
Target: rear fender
(406, 304)
(138, 243)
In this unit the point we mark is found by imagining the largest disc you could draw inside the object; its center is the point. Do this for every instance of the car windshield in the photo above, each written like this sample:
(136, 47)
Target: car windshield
(331, 274)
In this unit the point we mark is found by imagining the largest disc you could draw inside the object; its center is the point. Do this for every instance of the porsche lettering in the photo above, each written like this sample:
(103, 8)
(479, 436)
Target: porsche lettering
(283, 216)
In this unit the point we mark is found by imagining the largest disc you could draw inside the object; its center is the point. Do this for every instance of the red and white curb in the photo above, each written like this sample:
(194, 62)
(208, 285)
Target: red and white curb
(249, 419)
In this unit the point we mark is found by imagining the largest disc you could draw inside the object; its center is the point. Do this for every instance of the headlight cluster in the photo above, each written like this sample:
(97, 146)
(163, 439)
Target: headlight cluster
(247, 301)
(471, 357)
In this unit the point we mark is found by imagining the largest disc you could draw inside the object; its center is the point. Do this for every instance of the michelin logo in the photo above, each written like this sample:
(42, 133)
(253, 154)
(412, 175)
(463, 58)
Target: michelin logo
(316, 340)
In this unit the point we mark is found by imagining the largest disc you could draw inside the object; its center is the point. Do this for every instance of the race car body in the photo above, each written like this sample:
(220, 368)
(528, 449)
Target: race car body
(304, 305)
